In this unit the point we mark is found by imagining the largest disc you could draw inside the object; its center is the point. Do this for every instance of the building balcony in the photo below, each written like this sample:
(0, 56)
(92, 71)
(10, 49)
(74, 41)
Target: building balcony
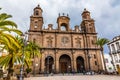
(118, 51)
(113, 52)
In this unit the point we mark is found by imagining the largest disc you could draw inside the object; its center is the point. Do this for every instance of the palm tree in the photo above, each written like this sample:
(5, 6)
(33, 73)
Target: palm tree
(101, 42)
(6, 27)
(13, 45)
(9, 42)
(33, 50)
(13, 56)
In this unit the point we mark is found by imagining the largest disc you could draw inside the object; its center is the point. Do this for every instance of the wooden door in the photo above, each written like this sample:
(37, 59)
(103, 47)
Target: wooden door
(63, 67)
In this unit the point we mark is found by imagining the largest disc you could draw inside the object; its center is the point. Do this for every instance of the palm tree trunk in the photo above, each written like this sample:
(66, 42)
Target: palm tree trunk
(103, 60)
(10, 70)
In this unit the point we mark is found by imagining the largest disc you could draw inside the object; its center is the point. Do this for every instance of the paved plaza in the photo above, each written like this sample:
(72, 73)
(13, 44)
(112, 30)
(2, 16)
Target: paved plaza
(76, 77)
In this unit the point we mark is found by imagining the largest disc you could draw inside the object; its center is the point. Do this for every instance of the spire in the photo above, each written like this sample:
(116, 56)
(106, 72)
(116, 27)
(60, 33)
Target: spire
(38, 5)
(38, 11)
(85, 11)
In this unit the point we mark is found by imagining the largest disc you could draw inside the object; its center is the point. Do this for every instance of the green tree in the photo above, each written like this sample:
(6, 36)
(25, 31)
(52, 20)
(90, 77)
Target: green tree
(101, 42)
(6, 27)
(9, 43)
(13, 56)
(34, 51)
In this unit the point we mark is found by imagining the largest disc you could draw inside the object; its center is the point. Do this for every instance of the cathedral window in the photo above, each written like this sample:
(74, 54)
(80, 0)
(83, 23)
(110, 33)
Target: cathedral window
(36, 13)
(63, 28)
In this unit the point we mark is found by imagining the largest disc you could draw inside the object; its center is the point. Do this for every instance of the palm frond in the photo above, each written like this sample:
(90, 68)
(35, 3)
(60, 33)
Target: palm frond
(8, 23)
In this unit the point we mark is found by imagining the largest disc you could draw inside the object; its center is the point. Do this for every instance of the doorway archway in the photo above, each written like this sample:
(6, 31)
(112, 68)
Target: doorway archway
(65, 64)
(49, 63)
(80, 64)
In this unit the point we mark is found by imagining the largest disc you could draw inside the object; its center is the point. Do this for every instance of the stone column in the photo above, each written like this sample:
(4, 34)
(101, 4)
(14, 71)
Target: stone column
(43, 63)
(57, 66)
(75, 66)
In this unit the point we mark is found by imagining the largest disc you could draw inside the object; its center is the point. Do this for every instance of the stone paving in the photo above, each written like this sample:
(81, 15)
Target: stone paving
(76, 77)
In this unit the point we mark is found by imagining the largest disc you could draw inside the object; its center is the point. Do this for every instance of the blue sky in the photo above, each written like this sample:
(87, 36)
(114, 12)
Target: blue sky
(106, 13)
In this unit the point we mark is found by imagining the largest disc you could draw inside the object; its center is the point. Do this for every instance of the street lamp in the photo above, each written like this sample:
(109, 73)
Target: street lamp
(24, 38)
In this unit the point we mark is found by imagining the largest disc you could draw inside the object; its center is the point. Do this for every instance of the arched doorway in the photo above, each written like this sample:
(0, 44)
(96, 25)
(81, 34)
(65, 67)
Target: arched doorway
(80, 64)
(65, 64)
(49, 63)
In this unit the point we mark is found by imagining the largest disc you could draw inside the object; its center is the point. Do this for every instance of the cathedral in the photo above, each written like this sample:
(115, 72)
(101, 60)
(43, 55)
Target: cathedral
(65, 49)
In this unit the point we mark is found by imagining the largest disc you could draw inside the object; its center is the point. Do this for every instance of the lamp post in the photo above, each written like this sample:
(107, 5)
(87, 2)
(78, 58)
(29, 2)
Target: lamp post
(24, 37)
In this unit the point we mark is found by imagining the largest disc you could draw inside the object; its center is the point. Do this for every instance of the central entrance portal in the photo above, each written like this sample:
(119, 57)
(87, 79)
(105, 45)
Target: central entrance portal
(65, 64)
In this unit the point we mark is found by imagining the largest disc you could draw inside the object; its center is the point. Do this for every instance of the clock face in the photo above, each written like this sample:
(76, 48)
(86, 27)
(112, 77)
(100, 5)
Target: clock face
(35, 26)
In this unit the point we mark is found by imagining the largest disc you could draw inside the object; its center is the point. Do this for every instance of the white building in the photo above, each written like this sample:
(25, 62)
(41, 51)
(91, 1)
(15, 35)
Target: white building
(114, 47)
(109, 65)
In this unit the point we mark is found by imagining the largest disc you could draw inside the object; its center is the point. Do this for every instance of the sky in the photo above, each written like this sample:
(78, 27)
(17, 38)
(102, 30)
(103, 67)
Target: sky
(106, 13)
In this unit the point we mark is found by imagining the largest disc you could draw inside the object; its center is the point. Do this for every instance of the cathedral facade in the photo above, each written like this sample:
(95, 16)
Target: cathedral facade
(64, 49)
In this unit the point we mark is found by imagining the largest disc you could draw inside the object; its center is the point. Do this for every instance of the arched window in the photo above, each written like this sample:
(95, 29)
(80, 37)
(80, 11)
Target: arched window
(91, 30)
(63, 28)
(113, 47)
(36, 13)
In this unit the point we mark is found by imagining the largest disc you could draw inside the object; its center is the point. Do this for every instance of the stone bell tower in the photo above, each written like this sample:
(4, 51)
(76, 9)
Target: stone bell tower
(87, 24)
(63, 22)
(36, 20)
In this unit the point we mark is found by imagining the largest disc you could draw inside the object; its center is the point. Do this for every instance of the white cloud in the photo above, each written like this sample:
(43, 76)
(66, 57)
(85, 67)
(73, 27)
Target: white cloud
(105, 12)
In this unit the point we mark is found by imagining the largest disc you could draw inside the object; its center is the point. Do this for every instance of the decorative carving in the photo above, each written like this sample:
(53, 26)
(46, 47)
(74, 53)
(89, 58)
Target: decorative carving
(49, 41)
(64, 40)
(78, 42)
